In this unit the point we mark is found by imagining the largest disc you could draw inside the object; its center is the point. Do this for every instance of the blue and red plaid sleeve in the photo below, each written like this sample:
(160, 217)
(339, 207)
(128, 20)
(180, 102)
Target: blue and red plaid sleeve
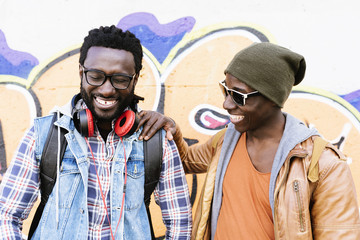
(19, 188)
(172, 195)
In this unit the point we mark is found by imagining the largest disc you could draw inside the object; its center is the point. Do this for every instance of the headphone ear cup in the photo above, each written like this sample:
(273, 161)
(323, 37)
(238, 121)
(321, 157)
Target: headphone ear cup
(84, 122)
(126, 124)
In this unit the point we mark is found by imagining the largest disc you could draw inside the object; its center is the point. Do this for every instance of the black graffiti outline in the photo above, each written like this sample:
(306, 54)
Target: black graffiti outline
(3, 165)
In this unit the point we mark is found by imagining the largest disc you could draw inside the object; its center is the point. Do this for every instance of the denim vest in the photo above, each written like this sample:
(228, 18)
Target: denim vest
(73, 221)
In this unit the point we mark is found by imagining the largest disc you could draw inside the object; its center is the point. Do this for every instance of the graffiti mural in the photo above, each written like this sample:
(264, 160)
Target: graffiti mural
(13, 62)
(180, 75)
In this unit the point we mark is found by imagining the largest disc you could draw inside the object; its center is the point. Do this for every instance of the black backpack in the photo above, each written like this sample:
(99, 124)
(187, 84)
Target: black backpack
(152, 157)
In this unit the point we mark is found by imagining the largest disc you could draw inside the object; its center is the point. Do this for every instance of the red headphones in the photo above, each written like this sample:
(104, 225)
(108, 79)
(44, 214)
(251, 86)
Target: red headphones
(125, 125)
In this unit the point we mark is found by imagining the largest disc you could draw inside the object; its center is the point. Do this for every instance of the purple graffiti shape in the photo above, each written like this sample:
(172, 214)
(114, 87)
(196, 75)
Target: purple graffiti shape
(14, 62)
(353, 98)
(158, 38)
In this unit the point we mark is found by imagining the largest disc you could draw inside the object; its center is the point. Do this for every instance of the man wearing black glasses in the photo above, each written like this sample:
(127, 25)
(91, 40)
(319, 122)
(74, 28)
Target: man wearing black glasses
(269, 176)
(99, 188)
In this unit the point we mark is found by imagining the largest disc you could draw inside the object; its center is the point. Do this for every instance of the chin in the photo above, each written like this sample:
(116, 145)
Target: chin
(240, 129)
(109, 115)
(105, 116)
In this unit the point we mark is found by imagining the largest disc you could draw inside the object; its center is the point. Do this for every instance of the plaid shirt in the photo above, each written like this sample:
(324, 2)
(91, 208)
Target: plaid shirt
(20, 188)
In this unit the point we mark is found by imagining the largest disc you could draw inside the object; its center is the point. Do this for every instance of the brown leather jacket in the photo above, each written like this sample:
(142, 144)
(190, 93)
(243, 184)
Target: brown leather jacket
(323, 209)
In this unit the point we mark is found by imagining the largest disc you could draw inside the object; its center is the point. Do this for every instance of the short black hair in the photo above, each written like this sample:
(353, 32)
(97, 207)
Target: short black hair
(113, 37)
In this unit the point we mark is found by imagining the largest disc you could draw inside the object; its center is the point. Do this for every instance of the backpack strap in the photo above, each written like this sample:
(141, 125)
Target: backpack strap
(48, 169)
(318, 148)
(216, 138)
(153, 152)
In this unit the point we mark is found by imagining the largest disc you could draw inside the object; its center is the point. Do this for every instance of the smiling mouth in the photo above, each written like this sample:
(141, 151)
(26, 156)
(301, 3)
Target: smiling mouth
(236, 118)
(105, 103)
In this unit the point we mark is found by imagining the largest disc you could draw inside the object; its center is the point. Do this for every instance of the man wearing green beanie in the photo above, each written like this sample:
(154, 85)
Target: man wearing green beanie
(269, 176)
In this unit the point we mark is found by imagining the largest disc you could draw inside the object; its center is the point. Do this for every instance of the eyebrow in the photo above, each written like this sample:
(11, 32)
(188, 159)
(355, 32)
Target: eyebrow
(96, 69)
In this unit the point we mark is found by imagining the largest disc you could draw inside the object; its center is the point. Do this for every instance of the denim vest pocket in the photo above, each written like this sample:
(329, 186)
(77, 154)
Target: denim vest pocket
(69, 181)
(69, 195)
(135, 184)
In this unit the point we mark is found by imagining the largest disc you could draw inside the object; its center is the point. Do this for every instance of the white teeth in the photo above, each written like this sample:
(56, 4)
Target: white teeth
(236, 117)
(105, 102)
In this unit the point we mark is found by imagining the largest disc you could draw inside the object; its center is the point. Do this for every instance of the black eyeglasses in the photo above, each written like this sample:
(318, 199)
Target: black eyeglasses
(97, 78)
(237, 97)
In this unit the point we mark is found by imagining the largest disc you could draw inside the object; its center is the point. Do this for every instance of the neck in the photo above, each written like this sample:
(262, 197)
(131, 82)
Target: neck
(104, 128)
(262, 144)
(271, 130)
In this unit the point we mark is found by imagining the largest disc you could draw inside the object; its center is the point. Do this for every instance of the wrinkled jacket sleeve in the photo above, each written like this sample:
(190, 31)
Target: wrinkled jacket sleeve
(172, 195)
(335, 210)
(19, 188)
(195, 158)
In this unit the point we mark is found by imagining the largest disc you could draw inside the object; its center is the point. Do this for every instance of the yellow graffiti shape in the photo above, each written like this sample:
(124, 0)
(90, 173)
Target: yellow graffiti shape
(15, 116)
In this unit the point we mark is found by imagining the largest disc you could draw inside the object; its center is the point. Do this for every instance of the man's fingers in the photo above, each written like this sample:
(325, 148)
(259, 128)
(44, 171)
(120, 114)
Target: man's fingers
(147, 130)
(169, 135)
(142, 120)
(152, 121)
(150, 129)
(147, 120)
(142, 113)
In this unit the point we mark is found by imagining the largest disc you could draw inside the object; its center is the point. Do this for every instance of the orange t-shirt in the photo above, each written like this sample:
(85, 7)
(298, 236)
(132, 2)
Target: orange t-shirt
(245, 212)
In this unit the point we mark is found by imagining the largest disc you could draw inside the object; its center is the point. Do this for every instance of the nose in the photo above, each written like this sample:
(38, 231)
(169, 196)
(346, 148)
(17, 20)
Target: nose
(107, 88)
(229, 103)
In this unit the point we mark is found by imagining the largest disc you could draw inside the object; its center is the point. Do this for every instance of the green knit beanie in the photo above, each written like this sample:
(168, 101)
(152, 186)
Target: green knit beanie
(270, 69)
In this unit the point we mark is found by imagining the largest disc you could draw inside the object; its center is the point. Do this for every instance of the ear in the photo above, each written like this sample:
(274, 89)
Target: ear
(136, 77)
(81, 71)
(275, 106)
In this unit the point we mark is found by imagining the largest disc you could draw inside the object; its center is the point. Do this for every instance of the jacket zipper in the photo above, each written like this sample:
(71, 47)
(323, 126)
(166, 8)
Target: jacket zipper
(297, 192)
(280, 184)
